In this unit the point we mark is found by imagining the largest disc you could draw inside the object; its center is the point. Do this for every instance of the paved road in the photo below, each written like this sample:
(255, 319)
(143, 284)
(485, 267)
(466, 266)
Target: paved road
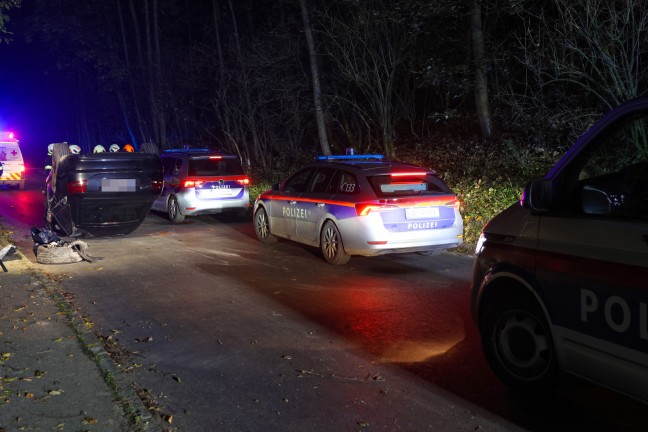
(225, 333)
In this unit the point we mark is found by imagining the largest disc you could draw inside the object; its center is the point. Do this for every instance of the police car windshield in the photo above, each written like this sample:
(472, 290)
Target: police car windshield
(388, 186)
(214, 167)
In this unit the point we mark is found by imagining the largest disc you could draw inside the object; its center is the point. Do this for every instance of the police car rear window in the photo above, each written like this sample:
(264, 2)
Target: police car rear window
(392, 185)
(215, 167)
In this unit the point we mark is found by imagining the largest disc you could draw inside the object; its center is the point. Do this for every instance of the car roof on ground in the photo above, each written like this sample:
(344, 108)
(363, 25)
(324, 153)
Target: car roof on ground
(197, 152)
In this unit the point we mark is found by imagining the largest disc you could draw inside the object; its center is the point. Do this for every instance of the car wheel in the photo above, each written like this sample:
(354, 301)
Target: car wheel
(518, 345)
(331, 245)
(262, 227)
(173, 210)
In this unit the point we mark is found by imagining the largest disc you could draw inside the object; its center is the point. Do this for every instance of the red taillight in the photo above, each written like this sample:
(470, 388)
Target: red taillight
(192, 183)
(409, 174)
(215, 157)
(363, 209)
(454, 203)
(77, 187)
(243, 181)
(22, 168)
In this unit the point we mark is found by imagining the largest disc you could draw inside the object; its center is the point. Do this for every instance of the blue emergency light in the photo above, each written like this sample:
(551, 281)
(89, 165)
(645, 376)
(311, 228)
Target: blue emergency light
(350, 157)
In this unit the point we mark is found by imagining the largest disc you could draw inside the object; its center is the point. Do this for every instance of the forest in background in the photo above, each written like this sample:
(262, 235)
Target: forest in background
(486, 92)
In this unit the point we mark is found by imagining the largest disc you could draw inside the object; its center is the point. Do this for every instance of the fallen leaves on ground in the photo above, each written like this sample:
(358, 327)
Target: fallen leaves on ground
(90, 421)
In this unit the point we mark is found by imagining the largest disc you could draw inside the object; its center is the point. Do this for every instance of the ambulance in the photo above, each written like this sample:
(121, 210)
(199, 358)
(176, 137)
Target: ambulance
(560, 282)
(12, 166)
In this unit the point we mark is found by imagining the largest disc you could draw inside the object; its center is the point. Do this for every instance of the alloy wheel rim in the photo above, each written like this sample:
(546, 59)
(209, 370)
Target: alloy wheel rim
(262, 224)
(330, 243)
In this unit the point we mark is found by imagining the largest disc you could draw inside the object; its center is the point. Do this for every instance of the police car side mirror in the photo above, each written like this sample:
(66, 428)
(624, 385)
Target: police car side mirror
(595, 201)
(537, 195)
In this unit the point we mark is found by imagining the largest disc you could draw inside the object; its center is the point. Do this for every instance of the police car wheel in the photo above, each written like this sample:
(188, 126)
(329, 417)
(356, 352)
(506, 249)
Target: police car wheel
(331, 245)
(173, 210)
(262, 227)
(518, 345)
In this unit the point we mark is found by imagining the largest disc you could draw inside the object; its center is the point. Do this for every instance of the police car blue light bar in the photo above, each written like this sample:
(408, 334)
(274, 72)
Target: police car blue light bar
(350, 157)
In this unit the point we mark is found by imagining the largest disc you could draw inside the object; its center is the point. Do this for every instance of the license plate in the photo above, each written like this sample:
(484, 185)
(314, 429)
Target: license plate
(118, 185)
(422, 213)
(213, 193)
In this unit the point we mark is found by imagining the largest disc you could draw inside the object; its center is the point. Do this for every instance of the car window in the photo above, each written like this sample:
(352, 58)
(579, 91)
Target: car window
(167, 165)
(206, 166)
(614, 167)
(176, 167)
(407, 184)
(299, 181)
(321, 180)
(344, 183)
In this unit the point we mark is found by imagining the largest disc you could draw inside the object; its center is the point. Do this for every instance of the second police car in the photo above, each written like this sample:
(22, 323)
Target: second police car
(561, 278)
(361, 205)
(200, 181)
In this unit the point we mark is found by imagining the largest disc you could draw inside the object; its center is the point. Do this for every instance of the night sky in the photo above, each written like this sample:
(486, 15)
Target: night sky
(32, 94)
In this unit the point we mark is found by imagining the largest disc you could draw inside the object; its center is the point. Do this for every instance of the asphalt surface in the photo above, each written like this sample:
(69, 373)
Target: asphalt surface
(57, 375)
(54, 373)
(218, 332)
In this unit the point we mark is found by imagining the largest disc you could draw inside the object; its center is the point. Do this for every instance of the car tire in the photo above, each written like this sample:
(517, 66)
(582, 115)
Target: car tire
(331, 245)
(262, 227)
(518, 345)
(173, 210)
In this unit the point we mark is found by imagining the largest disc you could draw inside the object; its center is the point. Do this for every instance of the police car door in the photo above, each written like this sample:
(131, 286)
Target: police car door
(284, 210)
(168, 165)
(593, 259)
(313, 205)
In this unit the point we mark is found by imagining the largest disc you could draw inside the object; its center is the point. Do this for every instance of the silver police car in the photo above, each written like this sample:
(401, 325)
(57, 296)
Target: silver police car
(361, 205)
(199, 181)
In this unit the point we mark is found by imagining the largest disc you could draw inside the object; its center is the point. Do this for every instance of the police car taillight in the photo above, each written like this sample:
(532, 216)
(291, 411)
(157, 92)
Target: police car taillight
(192, 183)
(408, 174)
(77, 187)
(454, 203)
(363, 209)
(243, 181)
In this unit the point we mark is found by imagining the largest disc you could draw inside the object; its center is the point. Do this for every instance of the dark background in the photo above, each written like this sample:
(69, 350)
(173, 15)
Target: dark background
(398, 76)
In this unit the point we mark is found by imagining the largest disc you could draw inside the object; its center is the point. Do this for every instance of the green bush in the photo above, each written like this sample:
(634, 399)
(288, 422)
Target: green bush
(480, 201)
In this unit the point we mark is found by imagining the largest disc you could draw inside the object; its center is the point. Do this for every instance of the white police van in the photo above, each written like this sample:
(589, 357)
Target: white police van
(12, 166)
(561, 278)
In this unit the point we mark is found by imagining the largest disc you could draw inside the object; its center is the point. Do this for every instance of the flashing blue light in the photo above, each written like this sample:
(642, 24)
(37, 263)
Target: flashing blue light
(350, 157)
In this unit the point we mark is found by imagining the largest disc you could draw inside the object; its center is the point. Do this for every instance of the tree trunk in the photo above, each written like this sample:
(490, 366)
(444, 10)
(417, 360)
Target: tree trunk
(161, 111)
(221, 65)
(481, 81)
(259, 154)
(317, 87)
(131, 83)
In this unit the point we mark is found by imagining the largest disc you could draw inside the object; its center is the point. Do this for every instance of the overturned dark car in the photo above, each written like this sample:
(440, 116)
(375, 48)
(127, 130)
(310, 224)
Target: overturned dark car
(101, 194)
